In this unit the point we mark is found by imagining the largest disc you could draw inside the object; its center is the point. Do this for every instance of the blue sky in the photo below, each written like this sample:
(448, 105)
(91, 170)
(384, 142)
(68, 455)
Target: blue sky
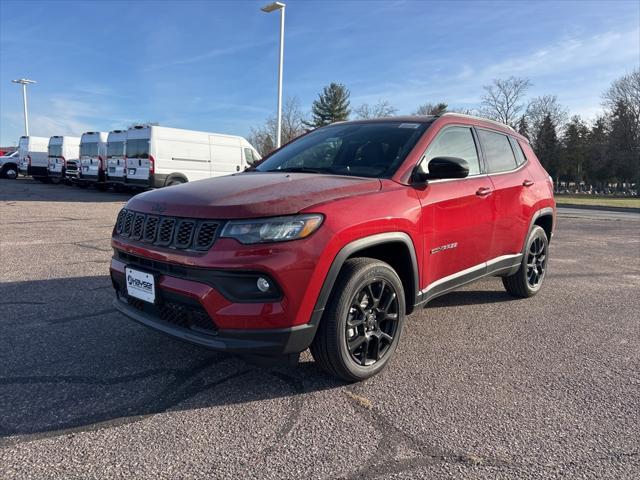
(211, 65)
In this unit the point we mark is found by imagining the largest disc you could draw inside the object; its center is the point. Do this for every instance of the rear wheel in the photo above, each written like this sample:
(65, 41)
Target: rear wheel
(361, 326)
(526, 282)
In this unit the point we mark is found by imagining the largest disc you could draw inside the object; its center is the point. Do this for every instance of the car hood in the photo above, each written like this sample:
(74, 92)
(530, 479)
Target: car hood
(251, 195)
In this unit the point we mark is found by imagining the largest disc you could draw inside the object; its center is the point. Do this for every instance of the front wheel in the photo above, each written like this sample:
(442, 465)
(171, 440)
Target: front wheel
(526, 282)
(361, 325)
(9, 172)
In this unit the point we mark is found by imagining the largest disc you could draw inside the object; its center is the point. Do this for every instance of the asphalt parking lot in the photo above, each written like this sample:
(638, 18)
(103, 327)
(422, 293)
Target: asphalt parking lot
(482, 386)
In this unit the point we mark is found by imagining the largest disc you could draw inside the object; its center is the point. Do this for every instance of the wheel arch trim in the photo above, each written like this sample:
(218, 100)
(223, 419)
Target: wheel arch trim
(546, 211)
(354, 247)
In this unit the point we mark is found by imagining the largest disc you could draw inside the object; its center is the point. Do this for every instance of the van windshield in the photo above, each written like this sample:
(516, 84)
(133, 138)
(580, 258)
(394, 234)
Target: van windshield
(115, 149)
(372, 149)
(138, 148)
(89, 149)
(55, 150)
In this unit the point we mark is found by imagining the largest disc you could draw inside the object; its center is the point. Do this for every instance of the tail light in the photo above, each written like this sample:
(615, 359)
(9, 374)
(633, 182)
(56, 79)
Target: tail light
(29, 159)
(64, 162)
(100, 165)
(152, 165)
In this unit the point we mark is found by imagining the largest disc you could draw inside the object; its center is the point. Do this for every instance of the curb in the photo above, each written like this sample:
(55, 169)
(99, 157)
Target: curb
(599, 207)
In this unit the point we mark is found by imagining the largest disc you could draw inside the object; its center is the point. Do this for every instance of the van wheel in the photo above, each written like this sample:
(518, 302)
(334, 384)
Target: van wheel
(10, 172)
(361, 325)
(175, 181)
(526, 282)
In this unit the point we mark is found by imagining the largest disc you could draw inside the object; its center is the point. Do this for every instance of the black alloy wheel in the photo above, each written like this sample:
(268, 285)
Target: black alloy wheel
(372, 322)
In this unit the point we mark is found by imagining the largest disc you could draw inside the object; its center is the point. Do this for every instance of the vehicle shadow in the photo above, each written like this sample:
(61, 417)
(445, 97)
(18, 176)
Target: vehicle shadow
(470, 297)
(30, 190)
(70, 362)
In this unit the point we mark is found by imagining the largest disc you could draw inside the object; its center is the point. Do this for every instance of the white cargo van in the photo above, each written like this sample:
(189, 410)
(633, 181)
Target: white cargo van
(93, 156)
(116, 160)
(9, 165)
(161, 156)
(34, 157)
(61, 150)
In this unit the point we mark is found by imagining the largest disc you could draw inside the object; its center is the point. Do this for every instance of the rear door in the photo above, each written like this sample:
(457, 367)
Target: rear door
(510, 182)
(457, 214)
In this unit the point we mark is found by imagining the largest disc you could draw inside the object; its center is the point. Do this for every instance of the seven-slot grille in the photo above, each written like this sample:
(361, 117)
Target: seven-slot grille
(182, 233)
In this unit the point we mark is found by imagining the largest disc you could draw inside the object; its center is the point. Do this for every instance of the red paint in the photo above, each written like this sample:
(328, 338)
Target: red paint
(484, 226)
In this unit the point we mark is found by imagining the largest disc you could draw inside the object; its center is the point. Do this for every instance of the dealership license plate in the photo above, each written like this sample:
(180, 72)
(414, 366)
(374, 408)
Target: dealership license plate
(140, 285)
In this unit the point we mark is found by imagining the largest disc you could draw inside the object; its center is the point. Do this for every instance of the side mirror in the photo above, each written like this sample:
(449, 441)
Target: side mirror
(448, 167)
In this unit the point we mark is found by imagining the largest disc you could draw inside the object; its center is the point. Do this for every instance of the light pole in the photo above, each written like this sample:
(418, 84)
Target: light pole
(24, 82)
(268, 9)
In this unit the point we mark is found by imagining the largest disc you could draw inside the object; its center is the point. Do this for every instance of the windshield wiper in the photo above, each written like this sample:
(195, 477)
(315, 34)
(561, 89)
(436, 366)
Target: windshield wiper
(301, 170)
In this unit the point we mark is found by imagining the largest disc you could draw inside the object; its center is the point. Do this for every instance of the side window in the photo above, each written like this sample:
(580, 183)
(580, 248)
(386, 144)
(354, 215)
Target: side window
(454, 142)
(517, 149)
(497, 150)
(248, 156)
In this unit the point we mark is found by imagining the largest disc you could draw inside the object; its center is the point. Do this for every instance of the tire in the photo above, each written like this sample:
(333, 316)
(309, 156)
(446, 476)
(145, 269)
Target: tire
(174, 181)
(348, 314)
(10, 172)
(527, 281)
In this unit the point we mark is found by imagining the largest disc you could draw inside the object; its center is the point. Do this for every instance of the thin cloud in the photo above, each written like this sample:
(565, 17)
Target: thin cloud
(216, 52)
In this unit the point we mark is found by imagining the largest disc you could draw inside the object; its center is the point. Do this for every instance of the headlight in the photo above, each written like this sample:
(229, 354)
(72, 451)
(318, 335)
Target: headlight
(275, 229)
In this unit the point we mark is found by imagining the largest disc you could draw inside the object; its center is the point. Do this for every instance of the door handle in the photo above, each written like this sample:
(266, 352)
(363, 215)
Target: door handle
(483, 192)
(527, 183)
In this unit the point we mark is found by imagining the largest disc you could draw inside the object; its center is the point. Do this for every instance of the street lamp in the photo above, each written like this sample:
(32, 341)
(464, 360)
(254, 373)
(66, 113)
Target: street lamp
(272, 7)
(24, 82)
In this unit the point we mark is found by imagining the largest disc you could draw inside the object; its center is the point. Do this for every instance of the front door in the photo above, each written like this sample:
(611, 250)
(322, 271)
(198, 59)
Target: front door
(457, 214)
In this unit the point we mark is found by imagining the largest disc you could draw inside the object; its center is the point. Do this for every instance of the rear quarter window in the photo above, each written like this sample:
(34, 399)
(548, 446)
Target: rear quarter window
(517, 149)
(497, 151)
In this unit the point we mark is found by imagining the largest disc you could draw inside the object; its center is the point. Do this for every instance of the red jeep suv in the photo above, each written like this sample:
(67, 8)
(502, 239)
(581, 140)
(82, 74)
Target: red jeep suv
(332, 240)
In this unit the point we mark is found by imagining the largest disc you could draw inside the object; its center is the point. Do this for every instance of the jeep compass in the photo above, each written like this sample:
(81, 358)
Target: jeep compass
(332, 240)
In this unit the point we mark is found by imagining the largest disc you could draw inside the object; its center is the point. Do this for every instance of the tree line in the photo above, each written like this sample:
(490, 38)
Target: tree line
(600, 154)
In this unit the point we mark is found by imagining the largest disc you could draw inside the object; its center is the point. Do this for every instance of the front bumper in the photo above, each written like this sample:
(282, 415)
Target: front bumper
(180, 312)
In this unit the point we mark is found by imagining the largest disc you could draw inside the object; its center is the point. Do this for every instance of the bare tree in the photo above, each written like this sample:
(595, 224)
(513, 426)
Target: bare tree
(381, 109)
(431, 109)
(542, 106)
(263, 137)
(626, 89)
(502, 100)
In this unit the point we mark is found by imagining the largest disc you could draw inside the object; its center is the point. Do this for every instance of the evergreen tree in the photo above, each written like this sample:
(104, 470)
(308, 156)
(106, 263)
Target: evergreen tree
(574, 150)
(331, 106)
(598, 168)
(623, 144)
(523, 126)
(546, 146)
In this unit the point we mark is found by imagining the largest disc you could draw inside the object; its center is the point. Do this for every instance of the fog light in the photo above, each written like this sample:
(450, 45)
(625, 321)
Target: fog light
(263, 284)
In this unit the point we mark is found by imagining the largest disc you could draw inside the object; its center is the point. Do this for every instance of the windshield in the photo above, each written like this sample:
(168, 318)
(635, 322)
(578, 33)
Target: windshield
(138, 148)
(55, 150)
(115, 149)
(89, 149)
(358, 149)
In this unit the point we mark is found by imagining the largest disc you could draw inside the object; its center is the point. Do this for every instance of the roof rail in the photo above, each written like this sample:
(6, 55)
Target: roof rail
(475, 117)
